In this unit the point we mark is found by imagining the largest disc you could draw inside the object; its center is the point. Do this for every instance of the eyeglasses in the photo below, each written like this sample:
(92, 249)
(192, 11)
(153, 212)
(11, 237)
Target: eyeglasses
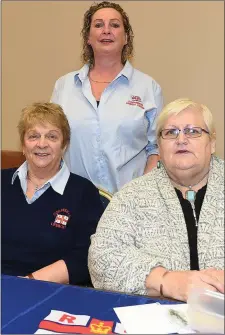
(190, 132)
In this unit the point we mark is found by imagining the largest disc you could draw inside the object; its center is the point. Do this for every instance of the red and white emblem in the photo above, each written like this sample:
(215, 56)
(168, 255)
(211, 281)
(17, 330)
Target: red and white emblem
(135, 101)
(59, 322)
(62, 217)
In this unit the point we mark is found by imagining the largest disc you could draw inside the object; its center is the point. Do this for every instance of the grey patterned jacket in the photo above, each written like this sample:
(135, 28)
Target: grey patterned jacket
(144, 226)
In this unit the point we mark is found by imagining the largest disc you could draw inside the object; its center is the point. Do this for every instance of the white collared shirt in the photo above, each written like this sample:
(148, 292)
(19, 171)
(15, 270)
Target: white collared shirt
(58, 182)
(110, 142)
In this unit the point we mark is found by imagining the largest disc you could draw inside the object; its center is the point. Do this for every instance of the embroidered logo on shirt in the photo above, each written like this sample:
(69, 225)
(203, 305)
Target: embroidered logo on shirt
(135, 101)
(61, 218)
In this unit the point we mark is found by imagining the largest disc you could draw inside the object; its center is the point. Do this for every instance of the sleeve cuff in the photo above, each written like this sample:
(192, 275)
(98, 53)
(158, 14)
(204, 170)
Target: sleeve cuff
(152, 152)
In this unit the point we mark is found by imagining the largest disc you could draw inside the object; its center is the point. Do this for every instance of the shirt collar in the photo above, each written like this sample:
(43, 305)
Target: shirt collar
(58, 182)
(126, 71)
(82, 73)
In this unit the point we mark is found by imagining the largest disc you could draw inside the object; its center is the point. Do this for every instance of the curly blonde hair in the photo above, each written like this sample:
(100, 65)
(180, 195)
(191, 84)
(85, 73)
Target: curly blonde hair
(87, 54)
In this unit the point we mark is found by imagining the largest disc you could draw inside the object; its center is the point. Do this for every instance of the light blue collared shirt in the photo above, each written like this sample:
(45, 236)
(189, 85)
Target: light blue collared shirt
(58, 182)
(110, 143)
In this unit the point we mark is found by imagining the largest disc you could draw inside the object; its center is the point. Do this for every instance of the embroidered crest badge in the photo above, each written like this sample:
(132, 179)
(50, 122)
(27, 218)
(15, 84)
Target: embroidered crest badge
(62, 217)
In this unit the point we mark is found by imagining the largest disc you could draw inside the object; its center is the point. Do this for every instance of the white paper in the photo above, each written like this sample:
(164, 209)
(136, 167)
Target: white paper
(151, 319)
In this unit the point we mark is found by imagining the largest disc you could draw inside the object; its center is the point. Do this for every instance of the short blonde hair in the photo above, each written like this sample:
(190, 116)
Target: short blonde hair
(40, 113)
(177, 106)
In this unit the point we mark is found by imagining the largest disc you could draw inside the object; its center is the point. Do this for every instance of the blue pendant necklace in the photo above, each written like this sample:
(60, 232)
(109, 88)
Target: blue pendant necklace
(190, 195)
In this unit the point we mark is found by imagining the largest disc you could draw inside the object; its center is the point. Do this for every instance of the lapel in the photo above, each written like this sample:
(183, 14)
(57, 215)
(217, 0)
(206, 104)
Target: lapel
(176, 221)
(208, 211)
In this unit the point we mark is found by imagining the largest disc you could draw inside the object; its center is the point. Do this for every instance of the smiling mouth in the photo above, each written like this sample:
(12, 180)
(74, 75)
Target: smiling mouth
(41, 154)
(106, 41)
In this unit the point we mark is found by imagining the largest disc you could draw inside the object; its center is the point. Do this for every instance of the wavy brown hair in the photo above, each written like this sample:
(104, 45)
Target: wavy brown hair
(88, 54)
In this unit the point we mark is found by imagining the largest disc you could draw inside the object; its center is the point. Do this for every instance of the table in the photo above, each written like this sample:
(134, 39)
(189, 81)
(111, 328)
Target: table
(69, 309)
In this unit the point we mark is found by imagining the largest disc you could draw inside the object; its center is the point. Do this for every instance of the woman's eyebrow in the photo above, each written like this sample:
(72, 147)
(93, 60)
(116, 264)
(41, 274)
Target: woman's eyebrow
(31, 131)
(185, 126)
(109, 20)
(50, 131)
(172, 125)
(53, 131)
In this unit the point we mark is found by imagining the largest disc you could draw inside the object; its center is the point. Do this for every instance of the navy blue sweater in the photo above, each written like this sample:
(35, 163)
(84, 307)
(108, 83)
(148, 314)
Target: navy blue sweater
(53, 227)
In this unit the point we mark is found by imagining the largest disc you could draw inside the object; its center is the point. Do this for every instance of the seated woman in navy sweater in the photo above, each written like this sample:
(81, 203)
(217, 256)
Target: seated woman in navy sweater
(48, 213)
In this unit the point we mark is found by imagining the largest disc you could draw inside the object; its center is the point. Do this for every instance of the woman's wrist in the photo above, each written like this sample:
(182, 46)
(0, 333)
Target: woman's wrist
(162, 285)
(155, 278)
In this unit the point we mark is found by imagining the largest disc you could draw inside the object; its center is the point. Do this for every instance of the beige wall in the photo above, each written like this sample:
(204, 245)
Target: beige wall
(180, 44)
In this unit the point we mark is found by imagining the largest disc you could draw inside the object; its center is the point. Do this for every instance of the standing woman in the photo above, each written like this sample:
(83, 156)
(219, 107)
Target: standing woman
(111, 107)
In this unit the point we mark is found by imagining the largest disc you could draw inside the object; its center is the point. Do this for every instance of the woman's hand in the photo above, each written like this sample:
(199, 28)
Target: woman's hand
(219, 274)
(178, 284)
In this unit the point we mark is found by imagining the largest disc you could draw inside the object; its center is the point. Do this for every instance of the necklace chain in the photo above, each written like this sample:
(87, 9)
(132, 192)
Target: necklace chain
(36, 187)
(190, 186)
(99, 82)
(190, 195)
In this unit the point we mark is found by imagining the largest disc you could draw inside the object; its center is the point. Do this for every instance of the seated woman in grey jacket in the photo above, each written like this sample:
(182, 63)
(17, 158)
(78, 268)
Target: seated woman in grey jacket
(163, 233)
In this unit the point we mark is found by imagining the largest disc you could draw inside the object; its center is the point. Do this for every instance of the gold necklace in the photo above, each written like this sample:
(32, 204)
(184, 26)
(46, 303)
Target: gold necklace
(99, 82)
